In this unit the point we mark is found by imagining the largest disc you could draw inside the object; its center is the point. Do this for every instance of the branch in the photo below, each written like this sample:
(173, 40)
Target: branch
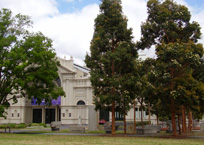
(16, 96)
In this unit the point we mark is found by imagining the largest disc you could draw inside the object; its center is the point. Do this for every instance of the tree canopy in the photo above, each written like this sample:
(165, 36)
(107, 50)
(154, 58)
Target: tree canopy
(167, 22)
(28, 63)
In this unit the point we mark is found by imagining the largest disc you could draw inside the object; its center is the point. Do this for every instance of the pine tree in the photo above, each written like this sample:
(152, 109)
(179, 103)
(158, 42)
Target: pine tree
(112, 57)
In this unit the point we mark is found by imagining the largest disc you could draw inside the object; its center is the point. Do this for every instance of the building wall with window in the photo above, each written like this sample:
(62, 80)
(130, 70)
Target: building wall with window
(72, 109)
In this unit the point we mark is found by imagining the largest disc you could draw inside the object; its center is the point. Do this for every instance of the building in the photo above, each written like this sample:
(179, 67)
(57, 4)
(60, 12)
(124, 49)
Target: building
(76, 108)
(72, 109)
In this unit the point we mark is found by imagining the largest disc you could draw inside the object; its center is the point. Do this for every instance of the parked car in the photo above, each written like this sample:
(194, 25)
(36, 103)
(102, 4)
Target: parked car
(102, 121)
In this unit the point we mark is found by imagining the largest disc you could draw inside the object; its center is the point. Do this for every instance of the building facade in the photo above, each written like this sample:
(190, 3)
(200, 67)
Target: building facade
(76, 108)
(72, 109)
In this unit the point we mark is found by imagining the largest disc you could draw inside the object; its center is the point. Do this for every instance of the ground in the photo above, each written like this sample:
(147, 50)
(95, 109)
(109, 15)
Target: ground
(38, 139)
(64, 137)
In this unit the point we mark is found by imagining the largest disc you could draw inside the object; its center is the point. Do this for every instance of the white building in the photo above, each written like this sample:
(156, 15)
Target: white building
(69, 110)
(76, 108)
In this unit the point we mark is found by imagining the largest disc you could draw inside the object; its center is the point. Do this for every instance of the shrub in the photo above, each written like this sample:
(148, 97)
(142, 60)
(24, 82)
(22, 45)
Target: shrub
(3, 126)
(22, 125)
(140, 123)
(35, 124)
(11, 125)
(43, 124)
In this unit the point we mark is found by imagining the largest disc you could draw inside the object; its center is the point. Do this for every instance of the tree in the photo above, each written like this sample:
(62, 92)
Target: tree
(111, 58)
(143, 88)
(28, 63)
(168, 27)
(167, 22)
(175, 65)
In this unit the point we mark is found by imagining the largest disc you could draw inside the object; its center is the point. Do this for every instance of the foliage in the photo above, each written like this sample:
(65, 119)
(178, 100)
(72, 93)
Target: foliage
(28, 64)
(2, 126)
(112, 58)
(22, 125)
(140, 123)
(43, 124)
(13, 125)
(168, 26)
(111, 45)
(167, 22)
(34, 124)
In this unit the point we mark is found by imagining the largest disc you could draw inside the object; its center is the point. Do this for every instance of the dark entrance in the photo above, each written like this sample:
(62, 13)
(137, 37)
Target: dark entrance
(50, 116)
(37, 115)
(104, 115)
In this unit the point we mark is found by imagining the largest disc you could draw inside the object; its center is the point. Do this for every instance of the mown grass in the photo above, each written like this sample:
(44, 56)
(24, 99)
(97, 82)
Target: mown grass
(34, 139)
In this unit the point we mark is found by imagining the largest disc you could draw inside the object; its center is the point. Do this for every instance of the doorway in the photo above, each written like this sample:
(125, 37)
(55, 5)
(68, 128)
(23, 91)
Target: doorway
(50, 116)
(37, 115)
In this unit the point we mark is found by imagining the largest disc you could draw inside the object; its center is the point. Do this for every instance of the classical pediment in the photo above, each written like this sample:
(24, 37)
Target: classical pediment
(65, 70)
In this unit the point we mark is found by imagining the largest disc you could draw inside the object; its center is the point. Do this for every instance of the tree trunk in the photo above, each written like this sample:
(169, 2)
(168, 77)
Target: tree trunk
(124, 114)
(125, 130)
(173, 115)
(149, 114)
(173, 112)
(113, 93)
(157, 119)
(183, 120)
(113, 118)
(190, 121)
(179, 123)
(142, 116)
(134, 118)
(183, 115)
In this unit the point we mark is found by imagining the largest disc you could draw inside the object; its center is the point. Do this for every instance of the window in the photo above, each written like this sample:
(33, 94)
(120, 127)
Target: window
(118, 116)
(12, 115)
(80, 102)
(70, 114)
(18, 115)
(63, 114)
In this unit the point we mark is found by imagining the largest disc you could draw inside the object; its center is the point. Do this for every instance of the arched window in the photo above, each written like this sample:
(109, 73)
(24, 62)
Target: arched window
(81, 102)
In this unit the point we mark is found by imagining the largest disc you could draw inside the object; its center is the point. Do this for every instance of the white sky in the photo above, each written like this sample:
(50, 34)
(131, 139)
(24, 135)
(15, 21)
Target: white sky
(71, 25)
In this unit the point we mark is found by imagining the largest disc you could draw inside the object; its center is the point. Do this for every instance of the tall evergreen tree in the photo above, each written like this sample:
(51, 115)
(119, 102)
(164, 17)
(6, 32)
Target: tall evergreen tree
(111, 58)
(168, 27)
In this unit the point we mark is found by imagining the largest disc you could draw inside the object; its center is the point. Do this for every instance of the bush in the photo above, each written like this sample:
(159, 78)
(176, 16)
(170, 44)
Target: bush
(140, 123)
(43, 124)
(3, 126)
(22, 125)
(11, 125)
(35, 124)
(38, 124)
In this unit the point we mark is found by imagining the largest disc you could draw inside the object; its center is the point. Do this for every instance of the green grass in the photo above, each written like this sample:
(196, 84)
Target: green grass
(28, 139)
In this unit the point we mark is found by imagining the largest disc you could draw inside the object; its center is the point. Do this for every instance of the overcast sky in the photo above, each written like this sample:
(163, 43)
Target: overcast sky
(70, 23)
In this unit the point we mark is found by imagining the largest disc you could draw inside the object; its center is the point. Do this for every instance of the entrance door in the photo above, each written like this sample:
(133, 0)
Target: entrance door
(37, 115)
(50, 116)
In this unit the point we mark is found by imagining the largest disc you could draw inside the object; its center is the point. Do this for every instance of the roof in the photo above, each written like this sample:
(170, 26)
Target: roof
(84, 69)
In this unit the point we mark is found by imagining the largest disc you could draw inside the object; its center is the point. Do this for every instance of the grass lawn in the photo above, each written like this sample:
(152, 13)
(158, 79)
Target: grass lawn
(37, 139)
